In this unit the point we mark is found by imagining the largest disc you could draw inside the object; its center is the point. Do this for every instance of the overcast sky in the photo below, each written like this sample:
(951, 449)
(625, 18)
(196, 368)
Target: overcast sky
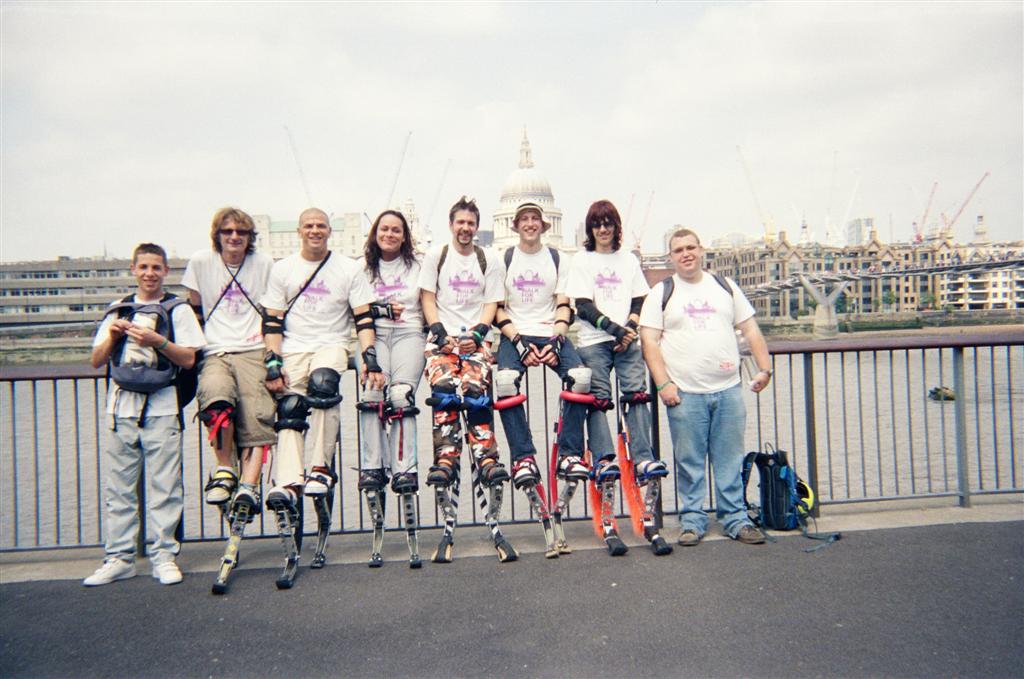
(124, 122)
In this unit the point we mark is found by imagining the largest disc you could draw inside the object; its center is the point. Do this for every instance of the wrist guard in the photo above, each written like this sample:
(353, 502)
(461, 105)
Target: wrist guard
(370, 360)
(523, 347)
(437, 334)
(378, 310)
(632, 325)
(479, 333)
(274, 364)
(615, 330)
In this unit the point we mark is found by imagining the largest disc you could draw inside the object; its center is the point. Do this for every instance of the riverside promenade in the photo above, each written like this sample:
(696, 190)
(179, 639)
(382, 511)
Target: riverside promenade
(913, 589)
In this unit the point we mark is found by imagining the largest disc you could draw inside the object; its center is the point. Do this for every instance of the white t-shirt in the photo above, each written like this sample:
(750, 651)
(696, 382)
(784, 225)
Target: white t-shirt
(234, 324)
(698, 339)
(461, 287)
(611, 280)
(397, 283)
(322, 314)
(187, 333)
(531, 283)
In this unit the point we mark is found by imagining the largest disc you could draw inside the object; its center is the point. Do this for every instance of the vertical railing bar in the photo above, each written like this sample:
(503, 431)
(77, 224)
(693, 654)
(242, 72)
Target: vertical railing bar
(359, 465)
(78, 462)
(200, 467)
(924, 407)
(775, 404)
(961, 427)
(14, 460)
(35, 449)
(846, 425)
(812, 445)
(792, 404)
(942, 422)
(892, 423)
(828, 430)
(860, 426)
(977, 418)
(995, 424)
(910, 424)
(99, 476)
(1009, 401)
(56, 463)
(878, 427)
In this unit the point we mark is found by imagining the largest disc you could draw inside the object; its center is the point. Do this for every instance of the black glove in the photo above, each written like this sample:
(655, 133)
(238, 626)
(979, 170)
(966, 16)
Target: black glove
(479, 333)
(615, 330)
(370, 360)
(437, 334)
(274, 364)
(523, 347)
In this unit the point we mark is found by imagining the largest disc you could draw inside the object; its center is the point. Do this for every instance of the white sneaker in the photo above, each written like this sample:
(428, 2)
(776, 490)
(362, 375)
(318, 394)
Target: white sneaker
(167, 573)
(111, 570)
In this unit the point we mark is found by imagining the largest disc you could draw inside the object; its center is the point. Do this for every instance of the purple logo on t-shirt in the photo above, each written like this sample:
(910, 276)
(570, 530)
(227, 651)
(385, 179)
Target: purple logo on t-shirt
(607, 283)
(528, 283)
(699, 314)
(234, 300)
(389, 289)
(464, 284)
(312, 295)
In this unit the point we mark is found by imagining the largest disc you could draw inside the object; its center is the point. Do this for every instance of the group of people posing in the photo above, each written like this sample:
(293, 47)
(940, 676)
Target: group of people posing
(274, 339)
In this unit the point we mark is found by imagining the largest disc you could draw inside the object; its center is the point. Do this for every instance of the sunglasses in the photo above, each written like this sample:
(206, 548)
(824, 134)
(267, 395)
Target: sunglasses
(604, 225)
(235, 232)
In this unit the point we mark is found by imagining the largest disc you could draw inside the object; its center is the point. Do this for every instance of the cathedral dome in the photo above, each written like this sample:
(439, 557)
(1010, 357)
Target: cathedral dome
(525, 184)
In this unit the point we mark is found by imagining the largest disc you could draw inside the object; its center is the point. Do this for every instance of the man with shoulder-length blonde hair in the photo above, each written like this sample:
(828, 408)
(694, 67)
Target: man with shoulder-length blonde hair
(224, 284)
(688, 332)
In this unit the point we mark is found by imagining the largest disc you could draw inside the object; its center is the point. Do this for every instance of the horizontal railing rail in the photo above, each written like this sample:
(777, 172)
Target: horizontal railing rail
(855, 414)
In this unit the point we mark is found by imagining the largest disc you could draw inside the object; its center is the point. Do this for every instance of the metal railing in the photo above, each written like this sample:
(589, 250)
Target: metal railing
(855, 415)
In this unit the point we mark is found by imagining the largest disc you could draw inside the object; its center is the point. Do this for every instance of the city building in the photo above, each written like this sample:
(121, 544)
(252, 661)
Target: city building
(69, 290)
(281, 238)
(525, 183)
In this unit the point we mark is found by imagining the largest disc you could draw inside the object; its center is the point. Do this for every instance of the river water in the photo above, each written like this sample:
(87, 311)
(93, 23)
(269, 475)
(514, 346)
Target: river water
(878, 435)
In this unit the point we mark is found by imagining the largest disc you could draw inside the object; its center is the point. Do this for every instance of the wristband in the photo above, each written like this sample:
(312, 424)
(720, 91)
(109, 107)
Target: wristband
(662, 385)
(162, 346)
(273, 363)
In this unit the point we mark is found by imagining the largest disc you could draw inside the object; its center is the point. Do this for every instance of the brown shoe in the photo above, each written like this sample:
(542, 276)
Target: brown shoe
(689, 538)
(749, 535)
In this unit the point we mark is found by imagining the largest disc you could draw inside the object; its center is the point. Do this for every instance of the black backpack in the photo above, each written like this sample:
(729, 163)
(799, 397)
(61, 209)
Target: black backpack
(555, 256)
(786, 500)
(668, 286)
(149, 379)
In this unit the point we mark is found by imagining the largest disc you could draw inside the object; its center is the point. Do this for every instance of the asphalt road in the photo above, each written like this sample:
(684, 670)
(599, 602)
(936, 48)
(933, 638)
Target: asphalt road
(933, 601)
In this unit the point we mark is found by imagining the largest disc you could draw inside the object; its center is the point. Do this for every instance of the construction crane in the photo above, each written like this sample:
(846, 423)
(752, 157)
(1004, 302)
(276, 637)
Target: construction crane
(433, 205)
(638, 235)
(951, 222)
(398, 172)
(769, 229)
(922, 225)
(298, 164)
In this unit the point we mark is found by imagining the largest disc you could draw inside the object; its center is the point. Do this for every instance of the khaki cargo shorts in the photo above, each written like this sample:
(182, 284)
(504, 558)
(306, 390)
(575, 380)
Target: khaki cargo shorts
(239, 379)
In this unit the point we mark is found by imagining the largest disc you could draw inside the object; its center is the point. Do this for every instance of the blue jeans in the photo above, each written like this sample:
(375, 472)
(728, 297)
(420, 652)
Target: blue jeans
(517, 431)
(709, 426)
(632, 377)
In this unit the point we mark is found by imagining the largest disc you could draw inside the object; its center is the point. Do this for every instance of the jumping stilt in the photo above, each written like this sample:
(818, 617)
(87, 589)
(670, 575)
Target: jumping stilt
(448, 503)
(411, 525)
(238, 519)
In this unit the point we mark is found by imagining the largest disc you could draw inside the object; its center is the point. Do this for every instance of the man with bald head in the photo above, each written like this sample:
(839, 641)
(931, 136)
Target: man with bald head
(313, 299)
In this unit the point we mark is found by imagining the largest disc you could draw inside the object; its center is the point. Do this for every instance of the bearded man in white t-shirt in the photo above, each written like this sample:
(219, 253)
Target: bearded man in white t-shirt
(461, 285)
(689, 342)
(311, 302)
(224, 284)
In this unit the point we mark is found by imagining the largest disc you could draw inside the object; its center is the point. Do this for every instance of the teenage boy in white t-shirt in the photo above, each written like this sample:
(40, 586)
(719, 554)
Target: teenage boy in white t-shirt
(144, 426)
(609, 288)
(461, 285)
(224, 284)
(690, 346)
(534, 319)
(311, 301)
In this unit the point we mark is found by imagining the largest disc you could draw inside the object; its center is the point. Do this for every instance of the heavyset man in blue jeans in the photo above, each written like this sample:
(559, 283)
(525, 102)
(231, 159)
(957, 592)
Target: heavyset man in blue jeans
(689, 343)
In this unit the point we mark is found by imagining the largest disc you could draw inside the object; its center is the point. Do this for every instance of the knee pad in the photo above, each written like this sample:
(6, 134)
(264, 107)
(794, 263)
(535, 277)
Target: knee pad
(324, 388)
(401, 401)
(292, 413)
(217, 414)
(506, 383)
(578, 380)
(371, 400)
(444, 398)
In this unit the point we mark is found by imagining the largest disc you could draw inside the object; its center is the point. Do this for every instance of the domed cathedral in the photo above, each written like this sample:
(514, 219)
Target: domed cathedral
(526, 184)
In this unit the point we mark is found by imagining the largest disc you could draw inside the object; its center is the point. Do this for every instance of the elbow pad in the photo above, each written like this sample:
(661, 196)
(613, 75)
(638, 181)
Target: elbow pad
(636, 304)
(588, 312)
(272, 325)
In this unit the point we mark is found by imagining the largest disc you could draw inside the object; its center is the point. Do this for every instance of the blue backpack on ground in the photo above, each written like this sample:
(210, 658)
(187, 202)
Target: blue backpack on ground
(786, 500)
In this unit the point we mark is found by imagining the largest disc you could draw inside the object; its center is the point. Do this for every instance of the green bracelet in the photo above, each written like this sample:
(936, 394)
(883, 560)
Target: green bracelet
(162, 346)
(662, 386)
